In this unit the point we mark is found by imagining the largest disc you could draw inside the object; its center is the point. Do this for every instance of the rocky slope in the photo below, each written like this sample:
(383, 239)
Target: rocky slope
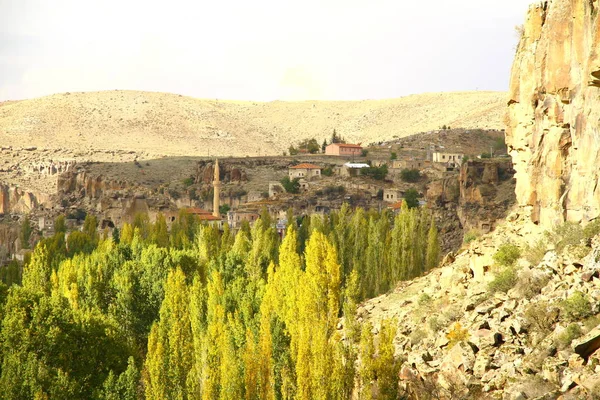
(536, 338)
(166, 124)
(554, 111)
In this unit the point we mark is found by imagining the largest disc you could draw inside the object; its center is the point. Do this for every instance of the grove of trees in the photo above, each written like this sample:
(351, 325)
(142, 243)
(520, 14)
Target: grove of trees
(192, 312)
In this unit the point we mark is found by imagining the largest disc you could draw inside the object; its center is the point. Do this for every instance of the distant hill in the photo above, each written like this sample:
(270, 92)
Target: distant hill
(170, 124)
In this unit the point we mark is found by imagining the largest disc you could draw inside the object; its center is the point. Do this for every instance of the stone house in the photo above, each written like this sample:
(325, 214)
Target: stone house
(392, 195)
(411, 163)
(45, 223)
(451, 159)
(304, 171)
(236, 218)
(343, 149)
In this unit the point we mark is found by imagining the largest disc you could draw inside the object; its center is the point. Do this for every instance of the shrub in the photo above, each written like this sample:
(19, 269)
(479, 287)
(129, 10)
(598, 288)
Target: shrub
(535, 254)
(410, 175)
(576, 307)
(568, 233)
(572, 332)
(457, 334)
(591, 229)
(530, 285)
(504, 280)
(293, 151)
(435, 324)
(364, 152)
(188, 181)
(394, 156)
(327, 171)
(507, 254)
(538, 316)
(417, 336)
(470, 236)
(485, 155)
(424, 299)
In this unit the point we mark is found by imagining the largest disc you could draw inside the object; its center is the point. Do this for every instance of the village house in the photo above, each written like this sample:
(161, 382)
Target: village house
(411, 163)
(305, 171)
(236, 218)
(451, 159)
(343, 149)
(392, 195)
(45, 223)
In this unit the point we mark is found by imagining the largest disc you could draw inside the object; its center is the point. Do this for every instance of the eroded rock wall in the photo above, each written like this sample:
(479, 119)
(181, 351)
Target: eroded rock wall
(554, 112)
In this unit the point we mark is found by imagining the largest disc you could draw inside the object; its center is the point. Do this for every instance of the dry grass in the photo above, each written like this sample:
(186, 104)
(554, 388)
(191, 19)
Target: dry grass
(167, 124)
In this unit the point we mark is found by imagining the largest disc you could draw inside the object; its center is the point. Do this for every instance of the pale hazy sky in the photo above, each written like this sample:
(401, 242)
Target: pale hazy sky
(259, 49)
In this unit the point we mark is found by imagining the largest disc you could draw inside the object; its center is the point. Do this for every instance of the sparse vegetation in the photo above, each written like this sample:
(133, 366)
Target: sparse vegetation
(540, 316)
(592, 229)
(531, 283)
(504, 280)
(364, 152)
(565, 234)
(571, 332)
(471, 235)
(535, 253)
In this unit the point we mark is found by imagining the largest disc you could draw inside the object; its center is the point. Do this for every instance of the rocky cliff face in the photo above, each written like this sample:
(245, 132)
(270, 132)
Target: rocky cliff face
(16, 200)
(477, 198)
(554, 112)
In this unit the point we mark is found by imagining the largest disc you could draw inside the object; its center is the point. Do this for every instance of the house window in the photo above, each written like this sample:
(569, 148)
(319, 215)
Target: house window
(443, 157)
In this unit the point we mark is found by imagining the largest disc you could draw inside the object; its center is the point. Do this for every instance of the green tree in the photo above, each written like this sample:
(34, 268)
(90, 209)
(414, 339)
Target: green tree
(160, 233)
(411, 197)
(170, 351)
(394, 156)
(410, 175)
(433, 247)
(291, 185)
(26, 231)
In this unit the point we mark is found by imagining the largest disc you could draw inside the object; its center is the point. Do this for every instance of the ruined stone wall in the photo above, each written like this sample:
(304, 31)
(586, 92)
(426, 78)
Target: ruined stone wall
(554, 112)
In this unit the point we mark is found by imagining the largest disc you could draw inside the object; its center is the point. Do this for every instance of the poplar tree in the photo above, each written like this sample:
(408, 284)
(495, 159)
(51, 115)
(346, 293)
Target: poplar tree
(433, 246)
(170, 344)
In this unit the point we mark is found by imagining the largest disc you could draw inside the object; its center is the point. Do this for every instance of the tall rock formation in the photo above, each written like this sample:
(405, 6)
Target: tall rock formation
(554, 112)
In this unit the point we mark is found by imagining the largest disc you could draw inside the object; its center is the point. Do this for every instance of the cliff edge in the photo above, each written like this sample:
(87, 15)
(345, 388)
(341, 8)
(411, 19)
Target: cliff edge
(554, 111)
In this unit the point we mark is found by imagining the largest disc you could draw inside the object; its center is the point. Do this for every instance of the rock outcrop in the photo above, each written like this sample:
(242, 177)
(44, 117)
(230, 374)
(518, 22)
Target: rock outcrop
(554, 112)
(16, 200)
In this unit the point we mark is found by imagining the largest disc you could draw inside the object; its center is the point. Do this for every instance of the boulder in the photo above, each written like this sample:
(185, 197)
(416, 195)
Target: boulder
(588, 344)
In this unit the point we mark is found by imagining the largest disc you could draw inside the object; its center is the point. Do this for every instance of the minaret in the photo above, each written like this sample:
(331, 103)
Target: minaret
(217, 190)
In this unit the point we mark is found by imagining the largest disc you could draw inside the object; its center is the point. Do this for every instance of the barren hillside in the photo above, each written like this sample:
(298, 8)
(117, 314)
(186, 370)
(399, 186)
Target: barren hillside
(168, 124)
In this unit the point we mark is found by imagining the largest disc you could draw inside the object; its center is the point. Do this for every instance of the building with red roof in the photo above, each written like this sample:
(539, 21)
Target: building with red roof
(304, 171)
